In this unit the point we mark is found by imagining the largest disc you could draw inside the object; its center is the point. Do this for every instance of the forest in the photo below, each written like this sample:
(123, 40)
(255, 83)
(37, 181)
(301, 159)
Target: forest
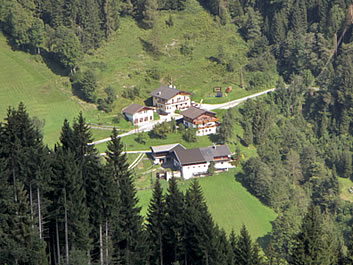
(67, 205)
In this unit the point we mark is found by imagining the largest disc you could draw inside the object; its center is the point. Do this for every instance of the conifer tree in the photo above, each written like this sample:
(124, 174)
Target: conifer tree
(199, 230)
(174, 223)
(20, 243)
(245, 251)
(128, 237)
(311, 242)
(248, 134)
(156, 224)
(69, 209)
(150, 13)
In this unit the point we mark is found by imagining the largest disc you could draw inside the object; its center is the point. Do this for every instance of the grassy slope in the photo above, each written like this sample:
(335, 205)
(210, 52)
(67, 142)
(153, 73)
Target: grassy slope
(229, 202)
(45, 94)
(122, 62)
(345, 184)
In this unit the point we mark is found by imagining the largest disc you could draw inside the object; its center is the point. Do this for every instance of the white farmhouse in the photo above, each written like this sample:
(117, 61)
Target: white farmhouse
(168, 100)
(205, 121)
(193, 162)
(138, 114)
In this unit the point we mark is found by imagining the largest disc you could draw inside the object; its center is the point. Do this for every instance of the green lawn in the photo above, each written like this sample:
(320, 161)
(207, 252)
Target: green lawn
(345, 184)
(230, 204)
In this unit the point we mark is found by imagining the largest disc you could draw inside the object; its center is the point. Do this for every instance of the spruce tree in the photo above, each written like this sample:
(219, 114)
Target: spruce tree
(128, 237)
(311, 243)
(199, 230)
(156, 224)
(150, 13)
(245, 251)
(174, 223)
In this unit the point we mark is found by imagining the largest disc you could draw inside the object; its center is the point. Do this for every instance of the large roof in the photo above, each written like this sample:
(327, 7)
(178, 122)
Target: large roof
(134, 108)
(194, 112)
(200, 155)
(188, 156)
(166, 92)
(164, 148)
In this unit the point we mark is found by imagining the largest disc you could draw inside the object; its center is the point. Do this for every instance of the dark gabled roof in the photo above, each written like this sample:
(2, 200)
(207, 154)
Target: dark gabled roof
(210, 152)
(166, 92)
(188, 156)
(134, 108)
(194, 112)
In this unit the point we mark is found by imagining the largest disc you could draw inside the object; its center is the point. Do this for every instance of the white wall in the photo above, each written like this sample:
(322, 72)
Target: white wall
(201, 131)
(189, 171)
(223, 165)
(207, 131)
(172, 104)
(143, 114)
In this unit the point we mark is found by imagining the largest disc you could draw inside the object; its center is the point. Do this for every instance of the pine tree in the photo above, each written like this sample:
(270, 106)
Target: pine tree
(311, 242)
(174, 223)
(128, 237)
(20, 243)
(150, 13)
(199, 230)
(278, 31)
(299, 17)
(69, 209)
(248, 134)
(245, 251)
(156, 224)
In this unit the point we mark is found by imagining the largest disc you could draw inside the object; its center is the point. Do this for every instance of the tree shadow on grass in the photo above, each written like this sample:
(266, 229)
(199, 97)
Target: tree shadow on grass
(264, 241)
(55, 67)
(215, 138)
(148, 47)
(44, 56)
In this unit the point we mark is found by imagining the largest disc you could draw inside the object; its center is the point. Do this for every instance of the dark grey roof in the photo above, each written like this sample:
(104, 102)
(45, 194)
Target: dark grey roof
(210, 152)
(188, 156)
(194, 112)
(166, 92)
(134, 108)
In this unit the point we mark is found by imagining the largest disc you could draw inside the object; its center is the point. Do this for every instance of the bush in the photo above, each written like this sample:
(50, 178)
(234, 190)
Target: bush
(118, 118)
(85, 85)
(131, 93)
(186, 49)
(153, 73)
(190, 135)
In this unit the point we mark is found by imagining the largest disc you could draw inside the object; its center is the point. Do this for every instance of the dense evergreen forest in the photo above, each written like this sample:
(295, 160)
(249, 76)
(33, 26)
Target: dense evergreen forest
(67, 206)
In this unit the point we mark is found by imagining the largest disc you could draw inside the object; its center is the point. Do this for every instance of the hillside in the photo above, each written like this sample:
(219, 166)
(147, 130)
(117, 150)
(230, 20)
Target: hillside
(126, 61)
(48, 96)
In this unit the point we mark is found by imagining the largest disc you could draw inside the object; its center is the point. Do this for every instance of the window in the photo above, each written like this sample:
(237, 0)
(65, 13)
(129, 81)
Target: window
(151, 117)
(146, 118)
(136, 121)
(141, 119)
